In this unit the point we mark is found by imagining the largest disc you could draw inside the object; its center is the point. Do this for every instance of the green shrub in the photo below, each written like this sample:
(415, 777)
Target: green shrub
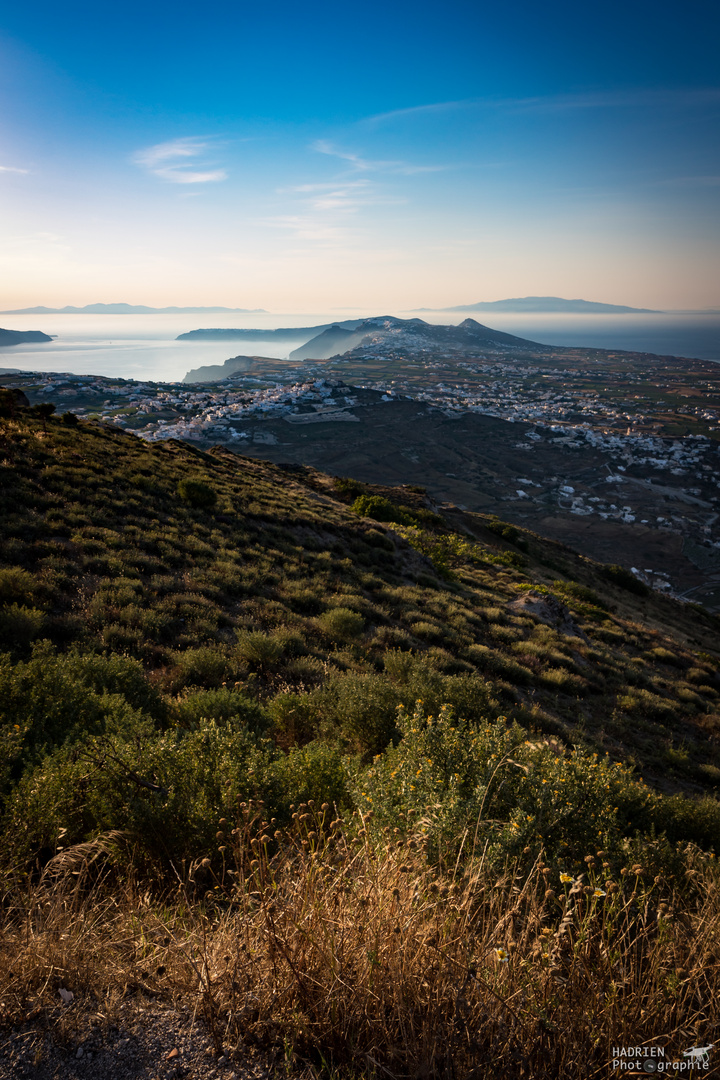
(682, 819)
(508, 532)
(618, 575)
(485, 783)
(341, 624)
(313, 772)
(43, 410)
(513, 635)
(561, 679)
(644, 703)
(11, 401)
(166, 790)
(115, 675)
(197, 493)
(688, 695)
(221, 705)
(16, 586)
(258, 648)
(360, 708)
(428, 631)
(496, 663)
(399, 664)
(505, 558)
(445, 550)
(206, 666)
(49, 703)
(666, 656)
(379, 540)
(295, 716)
(381, 509)
(347, 486)
(698, 675)
(123, 638)
(304, 601)
(575, 591)
(19, 625)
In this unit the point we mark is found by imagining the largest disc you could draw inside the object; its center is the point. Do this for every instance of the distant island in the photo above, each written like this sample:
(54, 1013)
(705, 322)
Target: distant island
(132, 309)
(553, 304)
(381, 335)
(22, 337)
(283, 333)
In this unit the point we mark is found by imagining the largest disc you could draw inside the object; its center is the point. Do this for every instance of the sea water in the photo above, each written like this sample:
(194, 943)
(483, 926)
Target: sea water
(144, 347)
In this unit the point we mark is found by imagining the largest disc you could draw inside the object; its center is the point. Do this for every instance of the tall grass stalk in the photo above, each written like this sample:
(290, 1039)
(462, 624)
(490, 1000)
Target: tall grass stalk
(342, 945)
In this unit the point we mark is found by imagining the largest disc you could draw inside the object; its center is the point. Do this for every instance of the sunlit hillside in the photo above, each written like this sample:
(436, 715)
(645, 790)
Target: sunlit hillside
(398, 774)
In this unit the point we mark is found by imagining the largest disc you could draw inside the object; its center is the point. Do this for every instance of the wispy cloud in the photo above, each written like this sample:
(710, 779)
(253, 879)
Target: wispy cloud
(177, 161)
(420, 110)
(325, 209)
(343, 195)
(362, 164)
(309, 227)
(677, 98)
(689, 181)
(13, 169)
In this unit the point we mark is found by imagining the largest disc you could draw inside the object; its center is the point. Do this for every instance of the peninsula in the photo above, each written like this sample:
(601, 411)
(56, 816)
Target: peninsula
(22, 337)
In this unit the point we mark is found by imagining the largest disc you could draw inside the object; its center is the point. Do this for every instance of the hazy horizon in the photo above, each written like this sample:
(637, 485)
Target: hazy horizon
(388, 157)
(78, 309)
(145, 346)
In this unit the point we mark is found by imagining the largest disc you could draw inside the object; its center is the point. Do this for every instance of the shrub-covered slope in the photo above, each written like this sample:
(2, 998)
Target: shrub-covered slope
(185, 629)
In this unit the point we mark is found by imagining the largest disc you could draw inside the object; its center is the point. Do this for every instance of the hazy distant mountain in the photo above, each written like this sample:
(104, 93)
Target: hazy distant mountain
(385, 333)
(216, 372)
(286, 333)
(555, 304)
(131, 309)
(330, 342)
(20, 337)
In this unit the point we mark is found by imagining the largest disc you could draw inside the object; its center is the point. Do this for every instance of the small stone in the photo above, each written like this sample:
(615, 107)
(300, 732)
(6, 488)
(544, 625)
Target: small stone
(173, 1053)
(79, 1053)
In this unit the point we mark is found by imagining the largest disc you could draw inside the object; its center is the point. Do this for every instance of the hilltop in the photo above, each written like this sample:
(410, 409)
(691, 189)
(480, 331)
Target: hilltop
(387, 335)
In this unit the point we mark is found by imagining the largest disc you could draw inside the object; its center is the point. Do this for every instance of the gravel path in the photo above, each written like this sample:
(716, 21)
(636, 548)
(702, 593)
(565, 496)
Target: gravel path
(149, 1044)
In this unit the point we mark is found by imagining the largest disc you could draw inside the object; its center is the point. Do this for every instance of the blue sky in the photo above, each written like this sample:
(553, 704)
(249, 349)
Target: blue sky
(298, 157)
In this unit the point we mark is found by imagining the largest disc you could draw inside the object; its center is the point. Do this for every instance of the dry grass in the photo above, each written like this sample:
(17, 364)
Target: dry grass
(342, 948)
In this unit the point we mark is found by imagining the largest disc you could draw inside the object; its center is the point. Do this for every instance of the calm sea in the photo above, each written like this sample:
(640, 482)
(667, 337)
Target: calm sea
(144, 346)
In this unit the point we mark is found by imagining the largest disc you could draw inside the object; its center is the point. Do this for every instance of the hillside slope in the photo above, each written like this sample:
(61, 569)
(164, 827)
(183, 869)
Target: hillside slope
(106, 554)
(388, 335)
(257, 729)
